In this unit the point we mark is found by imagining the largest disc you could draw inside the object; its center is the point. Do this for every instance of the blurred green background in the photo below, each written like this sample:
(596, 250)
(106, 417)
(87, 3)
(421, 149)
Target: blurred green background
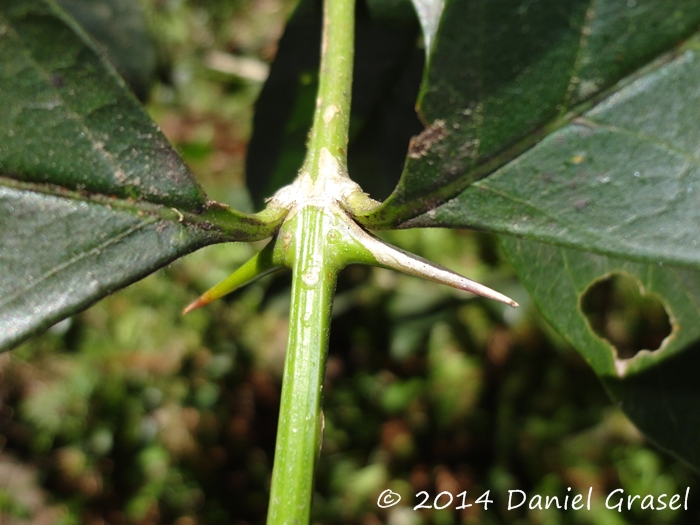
(130, 413)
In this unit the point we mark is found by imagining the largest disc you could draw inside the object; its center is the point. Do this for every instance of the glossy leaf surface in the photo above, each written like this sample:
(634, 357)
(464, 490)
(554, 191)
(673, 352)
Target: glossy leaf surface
(92, 196)
(497, 84)
(622, 180)
(577, 130)
(68, 119)
(60, 254)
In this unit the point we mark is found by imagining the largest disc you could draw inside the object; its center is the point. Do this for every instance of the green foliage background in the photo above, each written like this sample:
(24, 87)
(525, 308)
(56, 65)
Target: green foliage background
(131, 413)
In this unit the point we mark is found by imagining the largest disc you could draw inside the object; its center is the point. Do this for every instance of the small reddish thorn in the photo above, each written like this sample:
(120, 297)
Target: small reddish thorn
(202, 301)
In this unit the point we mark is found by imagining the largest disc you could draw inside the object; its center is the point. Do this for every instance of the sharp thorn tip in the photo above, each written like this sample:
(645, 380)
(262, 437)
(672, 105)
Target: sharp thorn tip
(194, 306)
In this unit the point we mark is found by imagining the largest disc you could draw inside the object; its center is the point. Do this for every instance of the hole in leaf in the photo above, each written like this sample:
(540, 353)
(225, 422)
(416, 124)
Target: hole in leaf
(620, 313)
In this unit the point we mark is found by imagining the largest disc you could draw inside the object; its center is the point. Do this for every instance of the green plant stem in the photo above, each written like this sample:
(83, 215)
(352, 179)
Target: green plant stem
(300, 423)
(310, 243)
(332, 115)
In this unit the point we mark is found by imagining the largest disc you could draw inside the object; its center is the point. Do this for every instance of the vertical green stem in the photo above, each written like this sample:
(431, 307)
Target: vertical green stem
(307, 242)
(332, 115)
(300, 423)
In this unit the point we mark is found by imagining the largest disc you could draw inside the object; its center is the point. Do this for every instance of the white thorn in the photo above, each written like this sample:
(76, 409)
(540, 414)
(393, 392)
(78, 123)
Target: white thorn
(395, 258)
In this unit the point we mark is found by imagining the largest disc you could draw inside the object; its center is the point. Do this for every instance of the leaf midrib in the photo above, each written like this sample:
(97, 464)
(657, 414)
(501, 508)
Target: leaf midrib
(405, 212)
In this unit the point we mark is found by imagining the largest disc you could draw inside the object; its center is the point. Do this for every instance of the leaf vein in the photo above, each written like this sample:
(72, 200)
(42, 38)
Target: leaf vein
(74, 260)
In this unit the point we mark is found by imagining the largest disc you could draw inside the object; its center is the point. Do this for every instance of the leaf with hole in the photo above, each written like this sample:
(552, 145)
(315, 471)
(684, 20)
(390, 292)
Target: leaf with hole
(657, 388)
(574, 124)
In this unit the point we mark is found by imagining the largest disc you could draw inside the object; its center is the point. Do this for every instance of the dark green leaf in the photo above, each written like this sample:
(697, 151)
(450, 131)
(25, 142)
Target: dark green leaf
(623, 180)
(658, 389)
(596, 137)
(120, 27)
(499, 72)
(61, 254)
(92, 197)
(68, 120)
